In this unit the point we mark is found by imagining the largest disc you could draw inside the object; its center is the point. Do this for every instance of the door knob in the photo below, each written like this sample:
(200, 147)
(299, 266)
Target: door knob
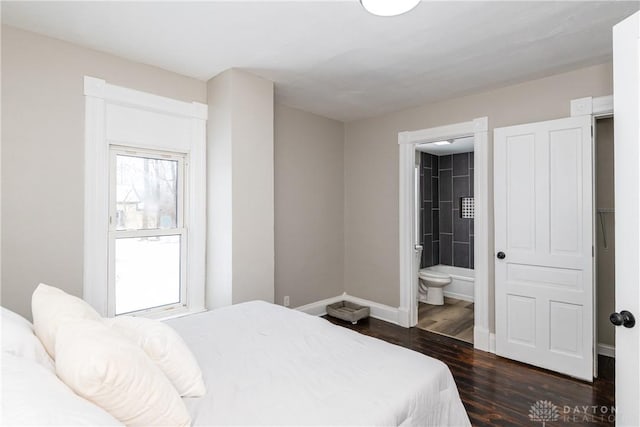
(501, 255)
(623, 318)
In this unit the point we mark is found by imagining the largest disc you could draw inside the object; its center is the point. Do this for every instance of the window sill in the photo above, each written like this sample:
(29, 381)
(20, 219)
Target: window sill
(182, 313)
(170, 314)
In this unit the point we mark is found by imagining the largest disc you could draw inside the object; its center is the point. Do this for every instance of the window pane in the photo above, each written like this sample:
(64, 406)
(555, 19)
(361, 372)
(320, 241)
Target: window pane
(147, 272)
(146, 193)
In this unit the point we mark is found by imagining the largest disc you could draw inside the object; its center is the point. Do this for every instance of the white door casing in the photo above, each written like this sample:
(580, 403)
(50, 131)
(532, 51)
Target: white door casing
(543, 224)
(408, 310)
(626, 107)
(598, 108)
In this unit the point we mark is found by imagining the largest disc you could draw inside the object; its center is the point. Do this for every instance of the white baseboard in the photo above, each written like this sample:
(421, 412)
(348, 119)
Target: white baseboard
(455, 295)
(482, 339)
(403, 317)
(319, 308)
(606, 350)
(378, 311)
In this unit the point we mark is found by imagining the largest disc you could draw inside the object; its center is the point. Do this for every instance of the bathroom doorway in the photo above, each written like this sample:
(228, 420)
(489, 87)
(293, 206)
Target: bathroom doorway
(445, 232)
(476, 131)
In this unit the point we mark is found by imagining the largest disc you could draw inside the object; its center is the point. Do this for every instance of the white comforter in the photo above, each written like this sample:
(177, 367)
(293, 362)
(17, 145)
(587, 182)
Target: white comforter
(268, 365)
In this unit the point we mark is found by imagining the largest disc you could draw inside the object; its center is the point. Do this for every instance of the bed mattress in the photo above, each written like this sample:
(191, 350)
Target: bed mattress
(264, 364)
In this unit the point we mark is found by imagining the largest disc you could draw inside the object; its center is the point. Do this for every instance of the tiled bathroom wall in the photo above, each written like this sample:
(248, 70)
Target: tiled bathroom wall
(429, 214)
(447, 238)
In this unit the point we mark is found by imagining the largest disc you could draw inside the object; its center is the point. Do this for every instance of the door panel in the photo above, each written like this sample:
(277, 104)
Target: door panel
(544, 215)
(531, 275)
(521, 197)
(521, 320)
(565, 336)
(565, 201)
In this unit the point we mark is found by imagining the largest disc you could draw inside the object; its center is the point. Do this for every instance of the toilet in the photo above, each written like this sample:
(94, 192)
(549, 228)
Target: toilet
(433, 283)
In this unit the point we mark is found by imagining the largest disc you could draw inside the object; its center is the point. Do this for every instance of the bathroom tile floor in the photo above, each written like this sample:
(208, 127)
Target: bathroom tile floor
(453, 319)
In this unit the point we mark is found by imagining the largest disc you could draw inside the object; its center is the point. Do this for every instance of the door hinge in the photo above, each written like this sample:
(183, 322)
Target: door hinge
(593, 251)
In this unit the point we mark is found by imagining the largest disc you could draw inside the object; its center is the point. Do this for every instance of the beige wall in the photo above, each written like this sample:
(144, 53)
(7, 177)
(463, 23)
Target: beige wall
(42, 154)
(605, 296)
(240, 236)
(309, 152)
(253, 193)
(219, 192)
(42, 171)
(371, 166)
(322, 191)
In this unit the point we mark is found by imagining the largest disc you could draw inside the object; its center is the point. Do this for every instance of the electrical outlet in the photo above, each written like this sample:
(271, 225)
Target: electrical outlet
(286, 301)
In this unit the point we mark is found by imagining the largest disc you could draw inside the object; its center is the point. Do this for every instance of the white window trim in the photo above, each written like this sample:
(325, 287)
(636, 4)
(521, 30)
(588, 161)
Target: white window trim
(98, 94)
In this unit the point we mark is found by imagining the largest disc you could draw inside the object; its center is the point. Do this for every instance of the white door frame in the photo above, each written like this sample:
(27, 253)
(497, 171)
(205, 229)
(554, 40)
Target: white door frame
(408, 310)
(597, 108)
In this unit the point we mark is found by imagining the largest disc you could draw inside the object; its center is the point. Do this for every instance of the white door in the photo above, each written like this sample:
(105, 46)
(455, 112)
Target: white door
(626, 108)
(543, 240)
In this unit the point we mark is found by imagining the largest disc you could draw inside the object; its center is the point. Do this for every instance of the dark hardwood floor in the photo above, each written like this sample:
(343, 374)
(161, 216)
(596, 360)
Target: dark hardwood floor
(500, 392)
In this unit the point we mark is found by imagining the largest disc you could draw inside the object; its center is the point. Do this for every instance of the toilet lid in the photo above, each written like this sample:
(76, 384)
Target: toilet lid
(434, 274)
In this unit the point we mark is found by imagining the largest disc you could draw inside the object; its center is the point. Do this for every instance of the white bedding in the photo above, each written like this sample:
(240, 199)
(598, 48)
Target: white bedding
(268, 365)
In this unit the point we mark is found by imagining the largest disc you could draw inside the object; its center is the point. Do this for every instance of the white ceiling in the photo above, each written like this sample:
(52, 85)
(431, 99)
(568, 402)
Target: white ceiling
(333, 58)
(459, 145)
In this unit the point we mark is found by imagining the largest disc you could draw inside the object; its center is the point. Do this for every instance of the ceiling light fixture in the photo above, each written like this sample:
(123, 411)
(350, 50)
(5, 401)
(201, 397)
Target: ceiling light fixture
(388, 7)
(450, 141)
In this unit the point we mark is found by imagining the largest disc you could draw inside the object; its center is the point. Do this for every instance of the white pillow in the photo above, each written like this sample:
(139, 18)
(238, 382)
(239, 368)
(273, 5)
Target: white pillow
(18, 339)
(50, 307)
(166, 348)
(108, 370)
(33, 395)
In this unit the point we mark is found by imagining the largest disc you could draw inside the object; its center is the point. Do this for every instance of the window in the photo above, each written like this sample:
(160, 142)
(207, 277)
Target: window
(145, 197)
(147, 231)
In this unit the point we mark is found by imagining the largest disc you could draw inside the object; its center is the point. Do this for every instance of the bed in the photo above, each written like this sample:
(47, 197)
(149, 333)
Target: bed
(264, 364)
(251, 364)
